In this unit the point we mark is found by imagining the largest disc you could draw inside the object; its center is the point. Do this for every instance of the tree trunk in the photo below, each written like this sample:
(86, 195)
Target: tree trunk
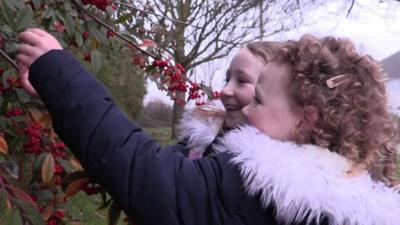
(177, 112)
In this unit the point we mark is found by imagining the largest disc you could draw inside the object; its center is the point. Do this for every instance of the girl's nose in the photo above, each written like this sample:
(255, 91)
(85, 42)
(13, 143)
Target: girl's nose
(227, 90)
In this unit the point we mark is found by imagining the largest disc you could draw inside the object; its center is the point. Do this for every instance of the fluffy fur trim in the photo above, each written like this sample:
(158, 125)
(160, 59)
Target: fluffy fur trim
(308, 182)
(200, 126)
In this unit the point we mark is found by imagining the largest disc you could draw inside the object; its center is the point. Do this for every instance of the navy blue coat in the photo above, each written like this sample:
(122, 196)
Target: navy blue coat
(154, 185)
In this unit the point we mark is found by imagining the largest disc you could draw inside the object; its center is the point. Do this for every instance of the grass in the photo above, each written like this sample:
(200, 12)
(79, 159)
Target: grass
(83, 208)
(162, 134)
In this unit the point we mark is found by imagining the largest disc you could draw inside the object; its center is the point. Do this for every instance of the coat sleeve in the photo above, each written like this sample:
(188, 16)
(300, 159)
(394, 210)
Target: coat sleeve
(156, 185)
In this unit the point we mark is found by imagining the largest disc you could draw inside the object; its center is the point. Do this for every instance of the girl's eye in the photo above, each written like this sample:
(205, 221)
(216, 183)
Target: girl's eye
(226, 80)
(241, 81)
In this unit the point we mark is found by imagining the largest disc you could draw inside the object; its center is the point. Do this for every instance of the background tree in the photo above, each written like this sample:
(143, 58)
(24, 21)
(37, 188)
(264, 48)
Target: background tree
(156, 114)
(197, 32)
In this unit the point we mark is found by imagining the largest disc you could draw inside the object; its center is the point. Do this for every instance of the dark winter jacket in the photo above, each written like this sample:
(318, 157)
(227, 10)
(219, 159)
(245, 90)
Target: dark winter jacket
(253, 180)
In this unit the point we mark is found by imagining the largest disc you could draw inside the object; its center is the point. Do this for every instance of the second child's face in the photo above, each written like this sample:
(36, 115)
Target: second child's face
(241, 78)
(272, 111)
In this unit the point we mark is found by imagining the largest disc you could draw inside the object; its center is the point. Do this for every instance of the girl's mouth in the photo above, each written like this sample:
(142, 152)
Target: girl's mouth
(232, 108)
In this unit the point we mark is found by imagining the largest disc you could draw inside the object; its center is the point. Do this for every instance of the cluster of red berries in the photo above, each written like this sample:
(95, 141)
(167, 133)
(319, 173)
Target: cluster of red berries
(57, 215)
(33, 143)
(58, 154)
(101, 4)
(59, 169)
(161, 63)
(58, 150)
(176, 81)
(14, 112)
(194, 91)
(90, 189)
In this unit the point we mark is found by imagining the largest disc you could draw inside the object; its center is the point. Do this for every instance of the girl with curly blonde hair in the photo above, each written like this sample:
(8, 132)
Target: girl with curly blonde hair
(343, 94)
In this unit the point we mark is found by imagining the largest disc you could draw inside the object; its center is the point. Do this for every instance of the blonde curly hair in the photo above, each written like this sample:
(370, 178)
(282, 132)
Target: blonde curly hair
(349, 93)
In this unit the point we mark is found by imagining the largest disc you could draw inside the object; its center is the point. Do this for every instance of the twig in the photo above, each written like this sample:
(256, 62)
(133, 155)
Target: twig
(4, 55)
(111, 29)
(351, 7)
(147, 12)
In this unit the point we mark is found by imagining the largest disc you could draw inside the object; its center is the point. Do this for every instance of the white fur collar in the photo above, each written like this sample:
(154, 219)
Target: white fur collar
(199, 130)
(308, 180)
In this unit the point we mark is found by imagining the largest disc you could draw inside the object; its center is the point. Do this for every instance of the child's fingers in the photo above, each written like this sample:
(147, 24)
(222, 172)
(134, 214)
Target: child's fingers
(38, 32)
(30, 38)
(25, 59)
(23, 76)
(26, 49)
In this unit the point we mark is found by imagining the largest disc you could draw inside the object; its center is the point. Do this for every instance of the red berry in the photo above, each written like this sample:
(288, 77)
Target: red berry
(110, 33)
(59, 26)
(85, 35)
(59, 213)
(87, 57)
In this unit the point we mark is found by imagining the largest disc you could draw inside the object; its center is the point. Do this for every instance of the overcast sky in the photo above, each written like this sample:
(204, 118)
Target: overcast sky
(374, 26)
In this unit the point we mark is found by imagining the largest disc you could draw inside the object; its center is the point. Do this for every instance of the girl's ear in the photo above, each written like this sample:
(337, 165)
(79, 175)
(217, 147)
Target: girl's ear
(310, 116)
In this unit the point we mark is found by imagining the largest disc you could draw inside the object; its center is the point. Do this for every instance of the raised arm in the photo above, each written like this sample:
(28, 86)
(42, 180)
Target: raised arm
(151, 183)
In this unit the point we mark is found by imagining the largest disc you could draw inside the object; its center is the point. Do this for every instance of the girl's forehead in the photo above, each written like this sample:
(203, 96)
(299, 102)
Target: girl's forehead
(274, 74)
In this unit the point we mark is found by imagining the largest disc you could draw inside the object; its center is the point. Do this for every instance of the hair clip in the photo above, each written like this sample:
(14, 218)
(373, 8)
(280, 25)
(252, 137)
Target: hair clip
(337, 80)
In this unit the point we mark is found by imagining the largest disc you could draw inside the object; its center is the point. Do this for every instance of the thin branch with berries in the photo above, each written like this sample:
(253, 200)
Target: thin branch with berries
(6, 57)
(99, 21)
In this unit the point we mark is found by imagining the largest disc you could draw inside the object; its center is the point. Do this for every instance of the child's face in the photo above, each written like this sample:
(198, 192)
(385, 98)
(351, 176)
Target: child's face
(272, 111)
(241, 78)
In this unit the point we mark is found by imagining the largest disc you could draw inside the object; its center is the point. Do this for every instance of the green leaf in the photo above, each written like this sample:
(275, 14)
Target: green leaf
(25, 18)
(123, 18)
(94, 32)
(69, 24)
(14, 143)
(9, 4)
(44, 195)
(11, 217)
(37, 4)
(60, 16)
(23, 96)
(96, 61)
(12, 168)
(66, 165)
(49, 13)
(114, 212)
(10, 47)
(78, 39)
(6, 10)
(37, 166)
(48, 168)
(31, 212)
(2, 160)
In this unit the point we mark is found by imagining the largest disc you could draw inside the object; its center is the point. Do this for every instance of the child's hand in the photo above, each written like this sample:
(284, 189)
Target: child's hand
(23, 77)
(35, 43)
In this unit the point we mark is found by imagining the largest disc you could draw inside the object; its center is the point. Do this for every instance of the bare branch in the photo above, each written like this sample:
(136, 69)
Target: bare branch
(158, 15)
(351, 7)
